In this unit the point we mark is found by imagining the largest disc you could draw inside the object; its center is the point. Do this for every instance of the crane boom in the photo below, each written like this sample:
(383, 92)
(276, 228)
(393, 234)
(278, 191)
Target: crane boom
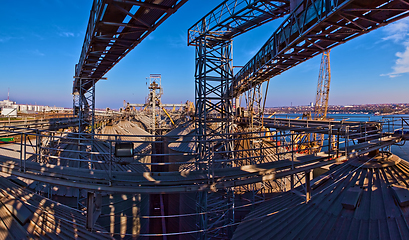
(324, 80)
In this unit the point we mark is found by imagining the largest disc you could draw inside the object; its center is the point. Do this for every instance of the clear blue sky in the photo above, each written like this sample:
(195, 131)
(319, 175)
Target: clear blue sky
(40, 43)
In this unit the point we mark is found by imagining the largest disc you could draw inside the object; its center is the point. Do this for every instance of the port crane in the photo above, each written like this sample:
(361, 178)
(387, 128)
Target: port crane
(320, 106)
(324, 80)
(321, 99)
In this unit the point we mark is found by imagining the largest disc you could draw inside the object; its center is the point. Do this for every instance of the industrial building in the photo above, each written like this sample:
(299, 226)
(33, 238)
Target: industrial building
(213, 169)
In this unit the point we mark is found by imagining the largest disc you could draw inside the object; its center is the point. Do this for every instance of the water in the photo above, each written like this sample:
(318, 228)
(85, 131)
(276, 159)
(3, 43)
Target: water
(346, 117)
(400, 151)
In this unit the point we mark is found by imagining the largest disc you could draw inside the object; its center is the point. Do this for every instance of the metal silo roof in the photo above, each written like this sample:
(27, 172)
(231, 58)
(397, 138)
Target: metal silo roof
(26, 215)
(362, 199)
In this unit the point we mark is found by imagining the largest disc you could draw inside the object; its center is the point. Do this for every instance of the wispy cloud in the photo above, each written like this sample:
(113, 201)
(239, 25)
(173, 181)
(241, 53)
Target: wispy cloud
(253, 52)
(399, 33)
(63, 32)
(36, 52)
(66, 34)
(178, 42)
(4, 39)
(38, 36)
(401, 64)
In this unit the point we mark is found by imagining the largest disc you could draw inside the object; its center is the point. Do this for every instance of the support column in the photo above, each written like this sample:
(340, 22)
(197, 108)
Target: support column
(84, 109)
(94, 204)
(307, 186)
(213, 76)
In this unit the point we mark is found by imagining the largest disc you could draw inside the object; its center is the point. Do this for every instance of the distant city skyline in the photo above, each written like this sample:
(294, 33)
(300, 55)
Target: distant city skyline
(38, 55)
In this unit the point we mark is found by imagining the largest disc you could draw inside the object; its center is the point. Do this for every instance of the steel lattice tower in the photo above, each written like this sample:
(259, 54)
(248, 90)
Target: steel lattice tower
(212, 36)
(324, 80)
(214, 73)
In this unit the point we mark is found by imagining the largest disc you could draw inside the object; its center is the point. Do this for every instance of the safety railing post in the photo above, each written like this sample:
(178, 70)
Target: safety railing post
(292, 150)
(110, 161)
(402, 126)
(338, 133)
(346, 141)
(25, 153)
(40, 138)
(212, 164)
(36, 145)
(292, 162)
(277, 145)
(21, 152)
(307, 185)
(329, 140)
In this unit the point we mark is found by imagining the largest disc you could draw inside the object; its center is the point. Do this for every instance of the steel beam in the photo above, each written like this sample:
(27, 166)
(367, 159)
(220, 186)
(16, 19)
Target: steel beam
(322, 24)
(214, 72)
(234, 17)
(109, 19)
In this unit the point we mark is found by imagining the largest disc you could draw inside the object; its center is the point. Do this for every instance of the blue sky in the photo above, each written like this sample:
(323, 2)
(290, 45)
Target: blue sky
(40, 43)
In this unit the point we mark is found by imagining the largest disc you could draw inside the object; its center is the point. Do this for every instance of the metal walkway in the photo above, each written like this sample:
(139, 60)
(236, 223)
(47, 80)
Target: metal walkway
(115, 27)
(313, 27)
(234, 17)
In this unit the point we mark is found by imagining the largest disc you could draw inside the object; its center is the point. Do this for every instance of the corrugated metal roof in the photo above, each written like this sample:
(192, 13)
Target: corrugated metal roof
(183, 129)
(356, 200)
(132, 128)
(26, 215)
(185, 144)
(128, 129)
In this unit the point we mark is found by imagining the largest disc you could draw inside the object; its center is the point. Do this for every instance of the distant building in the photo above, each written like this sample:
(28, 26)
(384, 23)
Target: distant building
(28, 108)
(6, 103)
(9, 112)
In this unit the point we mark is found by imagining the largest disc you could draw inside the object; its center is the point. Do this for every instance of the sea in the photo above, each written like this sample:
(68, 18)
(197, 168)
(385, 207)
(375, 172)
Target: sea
(401, 151)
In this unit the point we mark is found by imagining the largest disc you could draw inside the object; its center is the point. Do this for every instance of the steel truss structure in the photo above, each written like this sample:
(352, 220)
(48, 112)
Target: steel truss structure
(84, 104)
(31, 165)
(54, 164)
(212, 37)
(313, 27)
(214, 73)
(115, 27)
(234, 17)
(324, 81)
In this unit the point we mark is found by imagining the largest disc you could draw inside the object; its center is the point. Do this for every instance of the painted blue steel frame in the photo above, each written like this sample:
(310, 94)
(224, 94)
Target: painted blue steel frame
(313, 27)
(234, 17)
(214, 72)
(115, 27)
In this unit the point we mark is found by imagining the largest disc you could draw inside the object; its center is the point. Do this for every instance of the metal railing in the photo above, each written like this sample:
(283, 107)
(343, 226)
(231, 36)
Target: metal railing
(60, 154)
